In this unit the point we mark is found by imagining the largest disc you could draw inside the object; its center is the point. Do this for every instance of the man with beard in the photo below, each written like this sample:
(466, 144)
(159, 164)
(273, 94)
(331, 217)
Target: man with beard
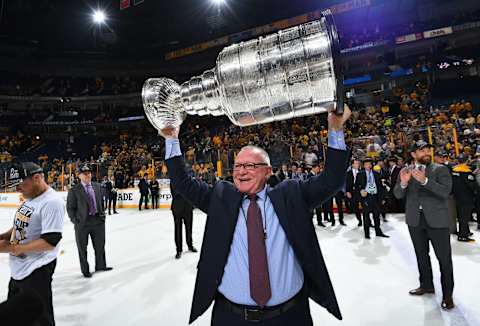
(33, 240)
(426, 187)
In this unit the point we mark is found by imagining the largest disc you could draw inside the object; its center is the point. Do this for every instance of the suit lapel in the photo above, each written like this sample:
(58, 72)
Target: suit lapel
(82, 192)
(232, 221)
(280, 209)
(96, 190)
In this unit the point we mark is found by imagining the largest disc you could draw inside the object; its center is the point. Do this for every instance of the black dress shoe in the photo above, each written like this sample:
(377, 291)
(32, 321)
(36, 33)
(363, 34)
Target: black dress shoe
(322, 225)
(465, 239)
(106, 269)
(343, 223)
(448, 304)
(193, 249)
(359, 224)
(87, 275)
(383, 235)
(115, 212)
(109, 213)
(367, 237)
(421, 291)
(178, 255)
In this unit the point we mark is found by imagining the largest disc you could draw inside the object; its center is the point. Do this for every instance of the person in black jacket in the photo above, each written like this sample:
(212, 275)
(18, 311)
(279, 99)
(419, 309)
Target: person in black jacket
(85, 210)
(464, 188)
(284, 173)
(155, 191)
(370, 188)
(182, 211)
(143, 186)
(111, 195)
(353, 196)
(247, 282)
(394, 204)
(274, 180)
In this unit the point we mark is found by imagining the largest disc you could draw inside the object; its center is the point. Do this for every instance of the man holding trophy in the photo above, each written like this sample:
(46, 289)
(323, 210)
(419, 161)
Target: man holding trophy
(260, 259)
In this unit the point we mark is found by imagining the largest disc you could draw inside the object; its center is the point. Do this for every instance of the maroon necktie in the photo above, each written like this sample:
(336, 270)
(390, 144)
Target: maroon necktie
(257, 255)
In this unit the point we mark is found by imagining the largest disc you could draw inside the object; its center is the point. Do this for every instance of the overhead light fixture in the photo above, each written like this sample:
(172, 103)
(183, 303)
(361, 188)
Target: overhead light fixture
(218, 2)
(99, 17)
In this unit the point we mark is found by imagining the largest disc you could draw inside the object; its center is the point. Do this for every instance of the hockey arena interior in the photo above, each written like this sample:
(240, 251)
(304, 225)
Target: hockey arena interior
(240, 162)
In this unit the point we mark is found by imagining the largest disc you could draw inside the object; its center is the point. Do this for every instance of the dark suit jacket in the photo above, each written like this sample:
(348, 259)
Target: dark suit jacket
(180, 204)
(109, 187)
(432, 197)
(282, 175)
(143, 186)
(361, 183)
(292, 200)
(393, 176)
(350, 183)
(77, 203)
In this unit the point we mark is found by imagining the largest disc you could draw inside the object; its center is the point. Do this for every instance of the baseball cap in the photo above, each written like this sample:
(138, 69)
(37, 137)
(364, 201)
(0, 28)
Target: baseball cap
(419, 144)
(19, 171)
(84, 168)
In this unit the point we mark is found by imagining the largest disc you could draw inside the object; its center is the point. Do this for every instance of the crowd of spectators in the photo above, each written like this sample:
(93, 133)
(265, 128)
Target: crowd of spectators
(378, 132)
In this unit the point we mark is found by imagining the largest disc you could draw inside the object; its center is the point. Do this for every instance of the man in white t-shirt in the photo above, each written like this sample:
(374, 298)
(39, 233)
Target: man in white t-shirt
(33, 241)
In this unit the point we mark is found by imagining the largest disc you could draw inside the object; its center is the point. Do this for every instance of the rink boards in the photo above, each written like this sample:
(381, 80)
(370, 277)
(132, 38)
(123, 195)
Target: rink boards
(126, 198)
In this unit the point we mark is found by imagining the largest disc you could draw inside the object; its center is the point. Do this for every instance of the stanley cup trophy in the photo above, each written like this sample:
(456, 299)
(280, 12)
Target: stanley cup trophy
(292, 73)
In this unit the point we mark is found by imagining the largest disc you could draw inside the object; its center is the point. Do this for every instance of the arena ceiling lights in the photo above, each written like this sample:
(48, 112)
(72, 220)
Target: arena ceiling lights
(99, 17)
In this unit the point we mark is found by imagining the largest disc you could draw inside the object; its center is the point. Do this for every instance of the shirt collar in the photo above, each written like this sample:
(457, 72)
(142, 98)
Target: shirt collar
(85, 184)
(262, 194)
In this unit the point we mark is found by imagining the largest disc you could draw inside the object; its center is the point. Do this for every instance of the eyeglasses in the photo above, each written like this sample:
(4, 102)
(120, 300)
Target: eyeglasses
(248, 166)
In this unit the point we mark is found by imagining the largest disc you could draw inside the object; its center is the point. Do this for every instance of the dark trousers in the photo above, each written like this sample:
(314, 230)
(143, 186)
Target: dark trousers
(464, 214)
(298, 315)
(440, 239)
(318, 213)
(354, 207)
(185, 216)
(39, 281)
(143, 197)
(97, 234)
(105, 200)
(112, 203)
(327, 208)
(155, 198)
(477, 209)
(371, 204)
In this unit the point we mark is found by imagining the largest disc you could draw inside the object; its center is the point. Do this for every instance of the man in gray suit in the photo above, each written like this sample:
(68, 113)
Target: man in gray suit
(426, 187)
(86, 211)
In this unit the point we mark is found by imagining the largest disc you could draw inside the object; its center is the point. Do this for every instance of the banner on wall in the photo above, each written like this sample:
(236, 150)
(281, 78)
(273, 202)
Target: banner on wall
(126, 198)
(408, 38)
(438, 32)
